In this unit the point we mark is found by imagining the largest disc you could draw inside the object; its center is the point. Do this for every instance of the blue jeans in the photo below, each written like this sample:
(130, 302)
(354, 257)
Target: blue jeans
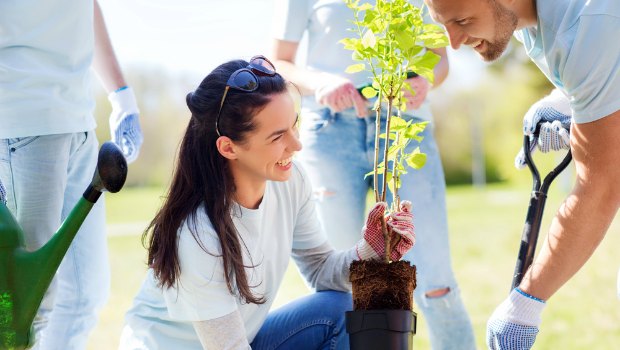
(44, 177)
(313, 322)
(338, 150)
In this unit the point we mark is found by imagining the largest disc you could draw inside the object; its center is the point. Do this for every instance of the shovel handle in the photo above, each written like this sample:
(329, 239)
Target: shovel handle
(535, 210)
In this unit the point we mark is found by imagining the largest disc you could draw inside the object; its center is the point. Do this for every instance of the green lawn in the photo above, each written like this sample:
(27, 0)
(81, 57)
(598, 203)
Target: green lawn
(485, 226)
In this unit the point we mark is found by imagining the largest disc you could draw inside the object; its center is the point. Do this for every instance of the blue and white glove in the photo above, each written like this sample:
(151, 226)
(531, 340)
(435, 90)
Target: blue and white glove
(554, 110)
(125, 123)
(514, 323)
(2, 193)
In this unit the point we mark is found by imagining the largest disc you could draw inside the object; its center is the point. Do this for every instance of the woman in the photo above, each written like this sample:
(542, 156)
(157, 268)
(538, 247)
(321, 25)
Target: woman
(238, 208)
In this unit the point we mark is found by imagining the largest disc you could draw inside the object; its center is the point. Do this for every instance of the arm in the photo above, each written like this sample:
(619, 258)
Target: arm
(584, 217)
(330, 90)
(226, 333)
(575, 232)
(284, 53)
(442, 68)
(125, 128)
(324, 268)
(421, 86)
(104, 61)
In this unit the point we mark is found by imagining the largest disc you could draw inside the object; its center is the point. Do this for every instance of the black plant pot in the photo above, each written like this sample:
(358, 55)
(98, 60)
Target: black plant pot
(381, 329)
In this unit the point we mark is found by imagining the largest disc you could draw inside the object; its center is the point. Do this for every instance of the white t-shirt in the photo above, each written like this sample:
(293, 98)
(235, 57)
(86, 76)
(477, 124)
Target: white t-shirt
(46, 50)
(326, 23)
(285, 220)
(575, 44)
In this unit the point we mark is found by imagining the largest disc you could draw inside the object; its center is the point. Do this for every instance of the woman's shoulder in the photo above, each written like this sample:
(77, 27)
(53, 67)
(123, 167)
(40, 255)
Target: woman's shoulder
(198, 226)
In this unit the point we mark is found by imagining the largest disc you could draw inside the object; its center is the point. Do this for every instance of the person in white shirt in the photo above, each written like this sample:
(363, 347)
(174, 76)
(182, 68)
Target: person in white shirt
(573, 42)
(48, 147)
(237, 210)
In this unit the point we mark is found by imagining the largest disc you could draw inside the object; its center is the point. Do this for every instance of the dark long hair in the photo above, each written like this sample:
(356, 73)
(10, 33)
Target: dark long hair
(202, 176)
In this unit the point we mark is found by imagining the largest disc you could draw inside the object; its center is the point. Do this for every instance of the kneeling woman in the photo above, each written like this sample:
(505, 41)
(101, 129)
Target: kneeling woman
(238, 208)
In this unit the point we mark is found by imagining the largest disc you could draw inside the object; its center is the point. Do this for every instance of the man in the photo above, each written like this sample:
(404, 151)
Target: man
(569, 41)
(48, 147)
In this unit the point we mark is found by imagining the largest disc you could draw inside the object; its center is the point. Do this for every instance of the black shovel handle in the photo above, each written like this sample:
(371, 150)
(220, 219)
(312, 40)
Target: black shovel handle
(535, 210)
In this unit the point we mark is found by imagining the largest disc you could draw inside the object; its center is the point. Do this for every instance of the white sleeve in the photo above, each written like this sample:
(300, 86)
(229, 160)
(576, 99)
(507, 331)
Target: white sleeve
(308, 232)
(225, 333)
(290, 19)
(201, 292)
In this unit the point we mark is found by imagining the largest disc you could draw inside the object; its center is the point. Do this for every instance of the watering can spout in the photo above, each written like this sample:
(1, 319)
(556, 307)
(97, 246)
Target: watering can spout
(28, 274)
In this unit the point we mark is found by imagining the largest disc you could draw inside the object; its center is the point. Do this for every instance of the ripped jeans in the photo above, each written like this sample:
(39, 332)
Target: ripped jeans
(338, 150)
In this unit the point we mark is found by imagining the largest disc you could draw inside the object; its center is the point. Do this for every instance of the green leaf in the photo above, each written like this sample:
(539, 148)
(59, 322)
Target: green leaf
(398, 123)
(416, 159)
(369, 92)
(404, 39)
(369, 40)
(355, 68)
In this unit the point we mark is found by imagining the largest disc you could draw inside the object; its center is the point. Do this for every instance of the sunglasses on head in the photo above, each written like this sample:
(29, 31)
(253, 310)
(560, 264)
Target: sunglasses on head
(245, 79)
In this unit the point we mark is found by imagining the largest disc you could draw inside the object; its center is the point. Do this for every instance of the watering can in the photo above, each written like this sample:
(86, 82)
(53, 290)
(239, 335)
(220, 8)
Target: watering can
(26, 275)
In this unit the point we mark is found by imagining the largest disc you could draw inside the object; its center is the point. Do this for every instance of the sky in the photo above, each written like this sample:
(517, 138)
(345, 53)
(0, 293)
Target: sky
(194, 36)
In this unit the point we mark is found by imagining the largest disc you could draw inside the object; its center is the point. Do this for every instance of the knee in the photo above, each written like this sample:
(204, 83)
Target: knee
(437, 293)
(336, 302)
(439, 299)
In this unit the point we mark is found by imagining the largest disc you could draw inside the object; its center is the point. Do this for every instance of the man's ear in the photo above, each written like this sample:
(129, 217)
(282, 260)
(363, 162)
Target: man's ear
(226, 147)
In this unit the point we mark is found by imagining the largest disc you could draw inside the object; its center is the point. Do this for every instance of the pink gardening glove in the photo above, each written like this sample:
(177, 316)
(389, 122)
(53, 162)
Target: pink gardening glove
(400, 226)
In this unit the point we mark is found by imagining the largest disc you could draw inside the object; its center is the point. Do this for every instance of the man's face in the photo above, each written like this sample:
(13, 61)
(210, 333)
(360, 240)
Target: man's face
(485, 25)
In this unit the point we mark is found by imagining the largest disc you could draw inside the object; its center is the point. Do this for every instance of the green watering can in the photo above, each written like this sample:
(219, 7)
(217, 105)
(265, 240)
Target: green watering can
(24, 275)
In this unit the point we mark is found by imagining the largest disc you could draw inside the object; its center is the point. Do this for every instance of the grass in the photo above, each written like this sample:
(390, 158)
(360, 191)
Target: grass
(485, 226)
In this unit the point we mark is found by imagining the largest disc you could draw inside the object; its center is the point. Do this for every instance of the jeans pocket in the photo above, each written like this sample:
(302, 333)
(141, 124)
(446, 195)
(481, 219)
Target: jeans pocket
(20, 142)
(316, 121)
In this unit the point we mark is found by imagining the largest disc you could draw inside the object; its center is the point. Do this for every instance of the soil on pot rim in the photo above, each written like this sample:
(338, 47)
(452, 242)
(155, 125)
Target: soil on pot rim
(377, 285)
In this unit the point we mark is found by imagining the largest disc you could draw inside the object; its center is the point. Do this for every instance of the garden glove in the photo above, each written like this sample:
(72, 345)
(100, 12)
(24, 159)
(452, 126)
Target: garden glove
(125, 124)
(554, 110)
(400, 227)
(514, 323)
(2, 193)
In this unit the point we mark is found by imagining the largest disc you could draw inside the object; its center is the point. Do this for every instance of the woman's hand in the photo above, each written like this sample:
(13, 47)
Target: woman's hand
(400, 227)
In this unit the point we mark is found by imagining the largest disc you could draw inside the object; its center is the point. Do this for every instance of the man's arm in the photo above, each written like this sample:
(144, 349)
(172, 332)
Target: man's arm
(584, 217)
(104, 62)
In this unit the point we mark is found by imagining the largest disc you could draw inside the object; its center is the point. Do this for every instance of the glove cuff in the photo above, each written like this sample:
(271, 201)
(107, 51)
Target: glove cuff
(365, 251)
(522, 308)
(124, 100)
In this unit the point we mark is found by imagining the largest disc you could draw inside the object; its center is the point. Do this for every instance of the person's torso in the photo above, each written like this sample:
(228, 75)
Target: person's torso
(330, 21)
(269, 234)
(46, 50)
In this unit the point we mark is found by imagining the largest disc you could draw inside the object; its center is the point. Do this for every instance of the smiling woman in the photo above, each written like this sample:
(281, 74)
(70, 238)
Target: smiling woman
(237, 210)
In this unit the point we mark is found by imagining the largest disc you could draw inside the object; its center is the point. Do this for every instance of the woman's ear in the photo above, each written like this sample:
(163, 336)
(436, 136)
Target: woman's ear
(226, 147)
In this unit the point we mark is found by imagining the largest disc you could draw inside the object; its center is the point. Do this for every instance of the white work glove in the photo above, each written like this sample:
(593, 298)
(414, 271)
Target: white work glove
(400, 227)
(554, 110)
(2, 193)
(125, 123)
(514, 323)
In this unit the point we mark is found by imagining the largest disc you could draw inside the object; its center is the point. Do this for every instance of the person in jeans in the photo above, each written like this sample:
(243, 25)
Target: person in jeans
(48, 147)
(338, 133)
(237, 210)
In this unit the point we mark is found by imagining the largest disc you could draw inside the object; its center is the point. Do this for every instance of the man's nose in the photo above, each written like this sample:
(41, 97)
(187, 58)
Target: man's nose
(456, 36)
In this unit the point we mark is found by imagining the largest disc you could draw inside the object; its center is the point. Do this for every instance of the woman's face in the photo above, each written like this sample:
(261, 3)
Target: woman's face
(267, 151)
